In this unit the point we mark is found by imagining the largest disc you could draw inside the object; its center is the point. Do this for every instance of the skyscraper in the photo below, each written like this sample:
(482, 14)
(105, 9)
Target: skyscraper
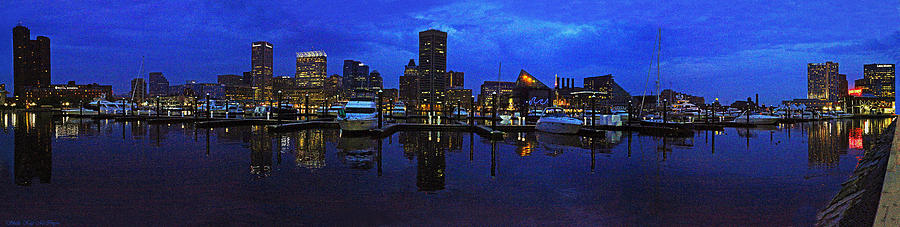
(823, 81)
(31, 60)
(879, 79)
(356, 77)
(159, 85)
(409, 87)
(375, 80)
(138, 89)
(261, 69)
(311, 69)
(432, 67)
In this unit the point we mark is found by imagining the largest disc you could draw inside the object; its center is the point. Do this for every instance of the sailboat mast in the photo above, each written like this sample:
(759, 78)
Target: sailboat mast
(658, 53)
(140, 74)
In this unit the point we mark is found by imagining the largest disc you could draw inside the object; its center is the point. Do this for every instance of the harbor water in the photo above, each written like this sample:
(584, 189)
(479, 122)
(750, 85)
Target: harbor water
(89, 172)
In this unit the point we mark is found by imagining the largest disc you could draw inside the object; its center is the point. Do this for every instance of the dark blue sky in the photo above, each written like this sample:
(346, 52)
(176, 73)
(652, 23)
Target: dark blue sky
(725, 49)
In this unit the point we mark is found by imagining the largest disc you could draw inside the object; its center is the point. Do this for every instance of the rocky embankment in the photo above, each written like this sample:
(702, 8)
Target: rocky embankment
(857, 202)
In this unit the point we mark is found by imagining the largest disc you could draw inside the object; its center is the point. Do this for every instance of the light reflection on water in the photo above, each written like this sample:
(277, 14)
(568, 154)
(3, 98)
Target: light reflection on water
(769, 175)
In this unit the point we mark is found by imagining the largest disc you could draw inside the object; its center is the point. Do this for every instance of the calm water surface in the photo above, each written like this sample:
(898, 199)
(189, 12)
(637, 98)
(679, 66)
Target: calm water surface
(87, 172)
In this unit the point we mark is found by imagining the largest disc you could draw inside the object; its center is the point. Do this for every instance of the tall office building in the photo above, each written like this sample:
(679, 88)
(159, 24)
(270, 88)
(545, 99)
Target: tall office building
(432, 68)
(261, 63)
(409, 86)
(375, 80)
(31, 60)
(456, 79)
(823, 81)
(159, 85)
(879, 80)
(311, 69)
(138, 89)
(355, 78)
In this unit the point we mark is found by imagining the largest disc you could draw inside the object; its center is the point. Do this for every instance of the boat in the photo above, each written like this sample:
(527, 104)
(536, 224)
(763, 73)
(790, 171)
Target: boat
(684, 107)
(555, 120)
(755, 119)
(623, 115)
(107, 107)
(358, 115)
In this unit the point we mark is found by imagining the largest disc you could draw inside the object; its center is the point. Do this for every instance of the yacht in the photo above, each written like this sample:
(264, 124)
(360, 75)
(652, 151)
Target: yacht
(358, 115)
(684, 107)
(107, 107)
(755, 119)
(555, 120)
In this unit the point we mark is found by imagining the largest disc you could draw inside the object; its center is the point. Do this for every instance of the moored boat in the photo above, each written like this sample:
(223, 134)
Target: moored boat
(555, 120)
(358, 115)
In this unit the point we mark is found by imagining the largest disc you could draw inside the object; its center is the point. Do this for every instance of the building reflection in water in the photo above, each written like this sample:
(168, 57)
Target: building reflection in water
(33, 153)
(310, 147)
(357, 151)
(827, 143)
(430, 149)
(260, 152)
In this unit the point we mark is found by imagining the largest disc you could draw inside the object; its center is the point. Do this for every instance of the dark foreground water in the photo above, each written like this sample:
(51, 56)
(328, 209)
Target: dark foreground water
(87, 172)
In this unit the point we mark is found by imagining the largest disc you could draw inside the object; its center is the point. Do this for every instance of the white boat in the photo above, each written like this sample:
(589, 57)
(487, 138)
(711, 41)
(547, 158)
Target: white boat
(107, 107)
(358, 115)
(555, 120)
(684, 107)
(756, 119)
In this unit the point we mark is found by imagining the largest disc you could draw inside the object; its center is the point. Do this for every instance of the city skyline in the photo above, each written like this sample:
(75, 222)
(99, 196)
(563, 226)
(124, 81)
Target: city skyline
(694, 59)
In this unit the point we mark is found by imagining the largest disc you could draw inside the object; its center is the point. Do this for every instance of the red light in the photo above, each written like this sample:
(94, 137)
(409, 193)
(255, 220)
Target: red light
(855, 92)
(856, 138)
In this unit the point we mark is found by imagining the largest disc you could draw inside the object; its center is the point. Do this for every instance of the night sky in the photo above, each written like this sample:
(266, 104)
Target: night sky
(725, 49)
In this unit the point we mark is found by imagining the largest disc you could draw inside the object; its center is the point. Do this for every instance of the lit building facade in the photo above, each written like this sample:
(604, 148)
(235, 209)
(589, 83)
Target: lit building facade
(138, 89)
(261, 69)
(432, 68)
(879, 80)
(311, 69)
(409, 86)
(355, 78)
(159, 85)
(501, 90)
(69, 92)
(824, 82)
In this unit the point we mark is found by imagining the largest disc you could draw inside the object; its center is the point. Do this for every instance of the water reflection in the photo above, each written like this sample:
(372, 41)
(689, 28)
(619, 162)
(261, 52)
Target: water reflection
(260, 152)
(33, 148)
(357, 152)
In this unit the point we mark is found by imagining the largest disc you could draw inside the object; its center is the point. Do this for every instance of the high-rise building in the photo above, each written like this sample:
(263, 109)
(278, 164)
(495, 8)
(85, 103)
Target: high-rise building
(31, 60)
(432, 68)
(409, 86)
(879, 79)
(432, 52)
(503, 90)
(261, 70)
(375, 80)
(823, 81)
(333, 87)
(159, 85)
(138, 89)
(311, 69)
(356, 78)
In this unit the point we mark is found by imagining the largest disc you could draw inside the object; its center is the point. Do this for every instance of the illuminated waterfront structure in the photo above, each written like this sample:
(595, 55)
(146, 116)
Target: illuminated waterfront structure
(70, 92)
(530, 93)
(879, 80)
(823, 82)
(31, 60)
(159, 85)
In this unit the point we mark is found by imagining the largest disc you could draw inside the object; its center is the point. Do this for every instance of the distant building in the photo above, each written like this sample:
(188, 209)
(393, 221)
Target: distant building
(261, 69)
(198, 90)
(502, 90)
(31, 60)
(611, 94)
(159, 85)
(375, 80)
(389, 95)
(457, 79)
(138, 89)
(69, 92)
(311, 69)
(824, 82)
(231, 80)
(355, 78)
(3, 93)
(333, 87)
(409, 86)
(879, 80)
(462, 96)
(530, 93)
